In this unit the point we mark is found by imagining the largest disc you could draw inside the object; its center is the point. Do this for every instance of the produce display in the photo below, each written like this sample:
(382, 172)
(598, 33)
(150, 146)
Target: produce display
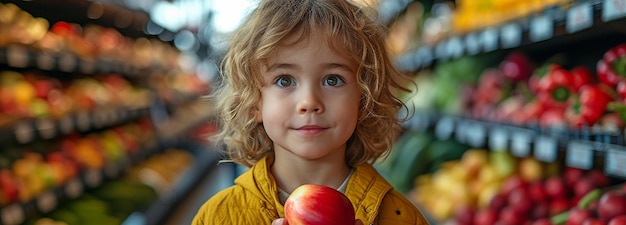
(114, 200)
(77, 106)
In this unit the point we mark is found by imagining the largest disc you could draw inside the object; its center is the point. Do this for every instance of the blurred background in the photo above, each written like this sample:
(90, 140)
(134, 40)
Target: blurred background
(518, 115)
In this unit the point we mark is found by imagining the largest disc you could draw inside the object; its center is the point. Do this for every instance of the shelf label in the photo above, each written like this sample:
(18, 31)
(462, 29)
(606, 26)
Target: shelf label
(24, 133)
(82, 120)
(67, 62)
(579, 155)
(73, 188)
(455, 47)
(444, 128)
(498, 139)
(45, 61)
(511, 35)
(66, 125)
(545, 149)
(489, 38)
(441, 50)
(46, 128)
(87, 66)
(613, 9)
(541, 28)
(472, 43)
(520, 143)
(46, 202)
(579, 17)
(475, 134)
(426, 56)
(93, 178)
(13, 214)
(17, 56)
(615, 162)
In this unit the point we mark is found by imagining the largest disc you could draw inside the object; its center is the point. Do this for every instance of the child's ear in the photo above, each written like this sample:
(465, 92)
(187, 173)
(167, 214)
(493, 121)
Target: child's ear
(258, 116)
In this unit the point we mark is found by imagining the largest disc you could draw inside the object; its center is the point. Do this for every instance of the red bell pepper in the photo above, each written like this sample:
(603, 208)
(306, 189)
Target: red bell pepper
(581, 75)
(589, 106)
(611, 68)
(556, 87)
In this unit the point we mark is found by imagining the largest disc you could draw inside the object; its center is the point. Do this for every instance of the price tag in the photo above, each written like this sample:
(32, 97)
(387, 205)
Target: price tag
(579, 17)
(579, 155)
(489, 38)
(472, 43)
(67, 62)
(511, 35)
(461, 131)
(545, 149)
(82, 120)
(541, 28)
(476, 135)
(74, 188)
(455, 47)
(498, 139)
(615, 162)
(66, 125)
(24, 133)
(520, 143)
(45, 61)
(87, 66)
(46, 202)
(12, 214)
(46, 128)
(444, 128)
(613, 9)
(426, 56)
(93, 178)
(441, 50)
(17, 56)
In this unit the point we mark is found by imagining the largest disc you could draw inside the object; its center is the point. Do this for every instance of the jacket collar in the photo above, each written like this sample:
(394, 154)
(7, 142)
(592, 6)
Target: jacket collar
(366, 189)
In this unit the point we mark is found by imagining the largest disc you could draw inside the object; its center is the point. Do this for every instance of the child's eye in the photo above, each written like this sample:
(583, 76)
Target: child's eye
(334, 80)
(285, 81)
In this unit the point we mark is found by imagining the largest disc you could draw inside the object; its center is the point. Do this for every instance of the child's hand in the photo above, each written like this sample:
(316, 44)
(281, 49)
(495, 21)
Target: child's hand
(283, 221)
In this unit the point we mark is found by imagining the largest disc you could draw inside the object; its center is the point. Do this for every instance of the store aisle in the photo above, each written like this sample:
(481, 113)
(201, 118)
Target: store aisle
(220, 177)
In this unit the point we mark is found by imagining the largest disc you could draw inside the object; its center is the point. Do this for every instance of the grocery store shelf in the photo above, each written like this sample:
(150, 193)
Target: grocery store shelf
(556, 26)
(586, 148)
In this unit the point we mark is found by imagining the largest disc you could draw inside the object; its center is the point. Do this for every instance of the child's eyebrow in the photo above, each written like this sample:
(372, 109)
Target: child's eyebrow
(325, 66)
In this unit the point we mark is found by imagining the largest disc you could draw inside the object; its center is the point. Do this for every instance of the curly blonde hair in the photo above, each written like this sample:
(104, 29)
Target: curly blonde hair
(350, 28)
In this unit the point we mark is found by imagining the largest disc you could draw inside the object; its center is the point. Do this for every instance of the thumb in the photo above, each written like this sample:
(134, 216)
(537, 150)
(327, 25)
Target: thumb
(280, 221)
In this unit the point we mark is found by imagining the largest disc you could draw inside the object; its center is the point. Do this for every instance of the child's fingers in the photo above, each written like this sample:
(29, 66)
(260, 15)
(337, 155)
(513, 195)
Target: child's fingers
(358, 222)
(280, 221)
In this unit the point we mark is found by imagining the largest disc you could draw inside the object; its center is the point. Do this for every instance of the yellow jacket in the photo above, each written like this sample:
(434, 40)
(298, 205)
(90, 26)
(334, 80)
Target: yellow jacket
(254, 200)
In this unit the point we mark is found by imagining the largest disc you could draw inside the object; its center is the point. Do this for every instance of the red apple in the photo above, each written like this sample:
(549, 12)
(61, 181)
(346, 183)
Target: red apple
(612, 204)
(618, 220)
(559, 205)
(578, 216)
(512, 183)
(556, 187)
(598, 178)
(537, 192)
(497, 202)
(594, 221)
(542, 221)
(572, 174)
(464, 215)
(487, 216)
(583, 186)
(540, 210)
(316, 204)
(510, 216)
(520, 201)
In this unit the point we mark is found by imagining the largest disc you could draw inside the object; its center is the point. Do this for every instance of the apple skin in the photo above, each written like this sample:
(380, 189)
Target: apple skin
(611, 204)
(618, 220)
(312, 204)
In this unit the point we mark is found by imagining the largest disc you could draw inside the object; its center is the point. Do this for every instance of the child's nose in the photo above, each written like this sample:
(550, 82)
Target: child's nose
(310, 103)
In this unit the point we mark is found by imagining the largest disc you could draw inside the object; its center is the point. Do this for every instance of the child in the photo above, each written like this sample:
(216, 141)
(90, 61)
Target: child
(308, 96)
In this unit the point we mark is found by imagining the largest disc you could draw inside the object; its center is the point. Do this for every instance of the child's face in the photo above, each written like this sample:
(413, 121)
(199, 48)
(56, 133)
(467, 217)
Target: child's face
(310, 99)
